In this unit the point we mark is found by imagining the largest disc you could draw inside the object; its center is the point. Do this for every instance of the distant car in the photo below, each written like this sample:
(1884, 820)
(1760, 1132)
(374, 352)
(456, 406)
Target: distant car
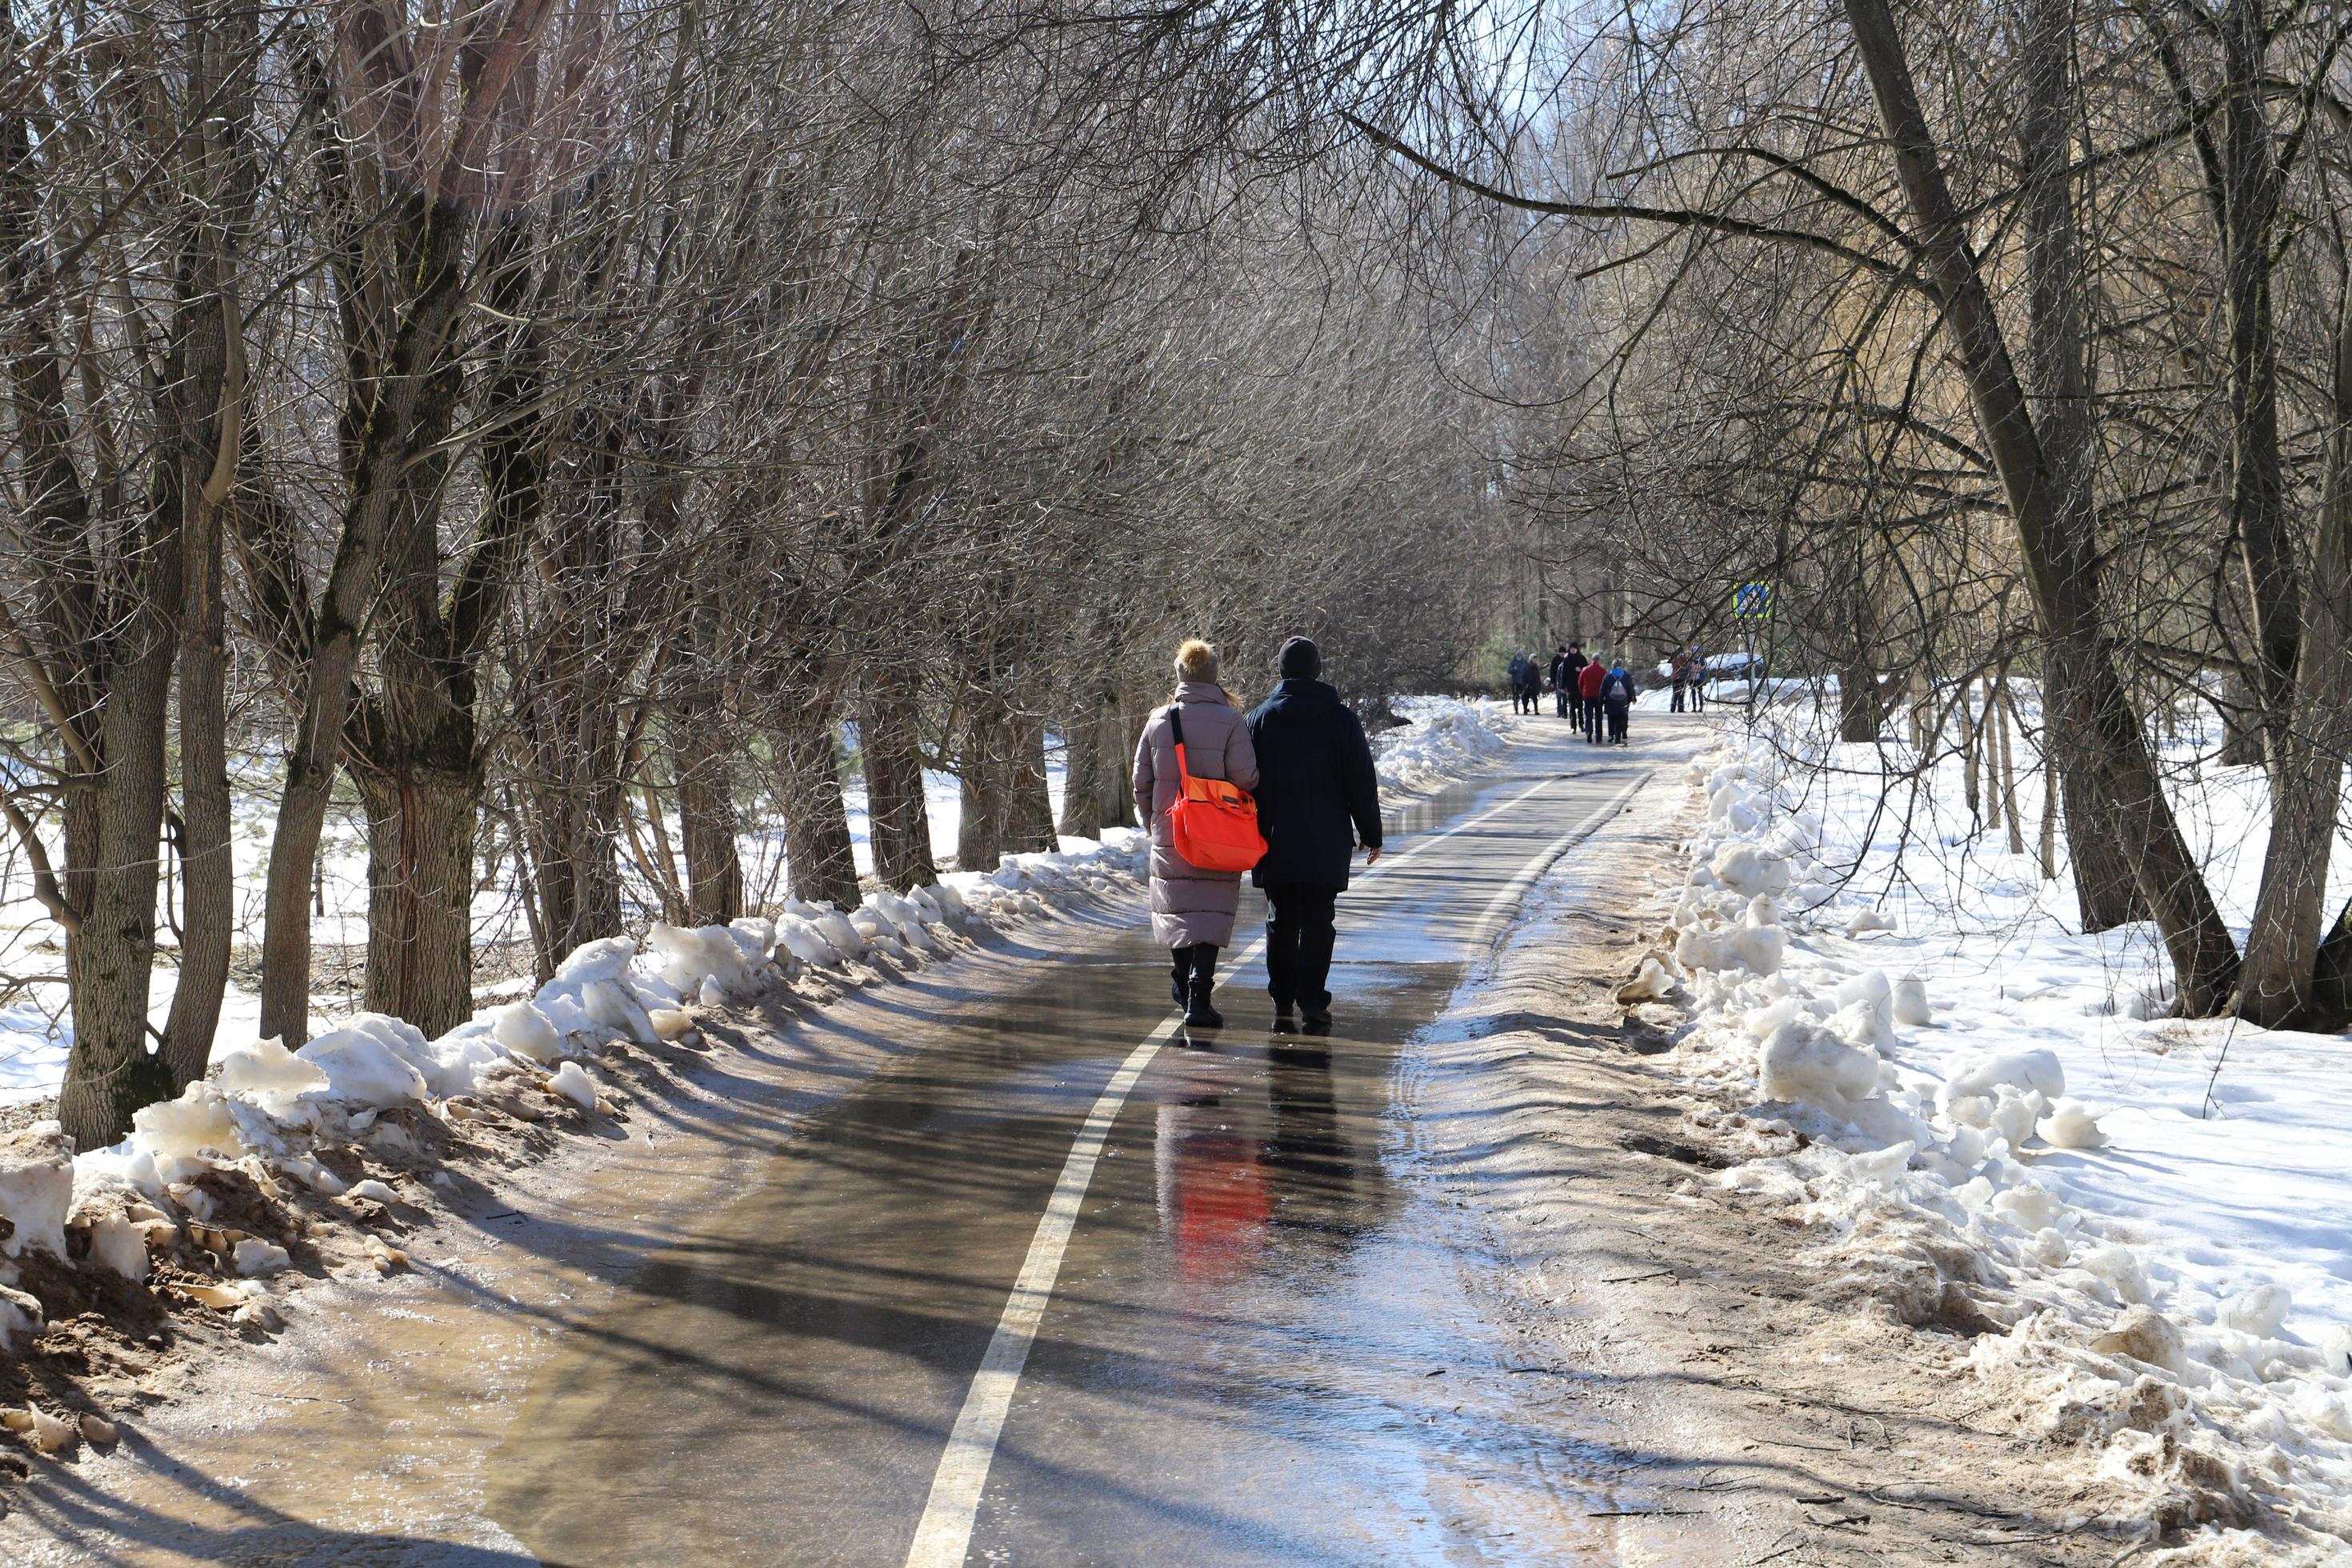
(1719, 666)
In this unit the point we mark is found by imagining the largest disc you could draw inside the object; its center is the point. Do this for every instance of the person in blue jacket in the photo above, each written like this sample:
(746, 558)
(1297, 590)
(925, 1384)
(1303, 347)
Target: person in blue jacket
(1318, 800)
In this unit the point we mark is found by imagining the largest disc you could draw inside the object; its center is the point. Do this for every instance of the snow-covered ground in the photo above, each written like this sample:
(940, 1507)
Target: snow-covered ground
(2149, 1216)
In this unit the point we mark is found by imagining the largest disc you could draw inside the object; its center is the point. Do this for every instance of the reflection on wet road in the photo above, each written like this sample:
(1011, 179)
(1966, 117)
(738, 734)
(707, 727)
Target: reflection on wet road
(1262, 1346)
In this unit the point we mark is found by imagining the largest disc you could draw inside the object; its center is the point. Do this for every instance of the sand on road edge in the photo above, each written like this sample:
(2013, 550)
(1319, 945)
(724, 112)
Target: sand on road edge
(1755, 1413)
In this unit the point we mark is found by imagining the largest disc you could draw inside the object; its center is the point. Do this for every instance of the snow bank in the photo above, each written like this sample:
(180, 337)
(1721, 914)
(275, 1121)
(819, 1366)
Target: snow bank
(266, 1109)
(2147, 1220)
(1443, 738)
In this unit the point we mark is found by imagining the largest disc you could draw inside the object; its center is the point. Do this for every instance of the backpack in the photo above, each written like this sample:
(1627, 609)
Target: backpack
(1214, 824)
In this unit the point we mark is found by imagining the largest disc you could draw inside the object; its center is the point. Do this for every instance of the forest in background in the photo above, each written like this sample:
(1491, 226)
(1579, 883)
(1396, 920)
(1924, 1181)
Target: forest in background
(555, 418)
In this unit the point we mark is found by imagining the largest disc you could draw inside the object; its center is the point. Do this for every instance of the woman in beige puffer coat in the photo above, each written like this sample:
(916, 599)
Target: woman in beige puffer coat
(1191, 910)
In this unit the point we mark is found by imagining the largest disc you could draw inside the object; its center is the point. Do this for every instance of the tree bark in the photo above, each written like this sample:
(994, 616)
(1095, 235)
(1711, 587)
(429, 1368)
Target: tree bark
(116, 657)
(1082, 767)
(573, 820)
(818, 849)
(2057, 368)
(2291, 975)
(707, 825)
(420, 953)
(1971, 751)
(1124, 715)
(207, 865)
(2241, 707)
(899, 818)
(2048, 846)
(988, 767)
(1032, 803)
(2006, 715)
(2251, 180)
(1858, 703)
(2056, 556)
(394, 413)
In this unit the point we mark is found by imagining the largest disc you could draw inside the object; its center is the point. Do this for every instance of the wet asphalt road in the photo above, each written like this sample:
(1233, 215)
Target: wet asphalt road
(1266, 1341)
(1255, 1349)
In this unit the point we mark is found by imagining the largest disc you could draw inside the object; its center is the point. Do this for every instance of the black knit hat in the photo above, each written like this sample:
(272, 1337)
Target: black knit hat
(1300, 661)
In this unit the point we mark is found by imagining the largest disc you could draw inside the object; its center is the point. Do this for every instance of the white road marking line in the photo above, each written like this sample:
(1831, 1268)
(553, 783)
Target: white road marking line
(1490, 921)
(943, 1537)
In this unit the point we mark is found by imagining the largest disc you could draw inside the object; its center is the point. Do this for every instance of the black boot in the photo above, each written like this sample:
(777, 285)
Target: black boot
(1180, 972)
(1198, 1014)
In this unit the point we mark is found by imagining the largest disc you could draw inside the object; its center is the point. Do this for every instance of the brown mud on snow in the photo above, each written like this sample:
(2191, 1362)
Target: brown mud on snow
(1759, 1410)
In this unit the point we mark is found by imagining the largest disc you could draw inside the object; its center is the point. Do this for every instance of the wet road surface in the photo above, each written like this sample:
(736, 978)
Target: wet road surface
(1264, 1342)
(1257, 1348)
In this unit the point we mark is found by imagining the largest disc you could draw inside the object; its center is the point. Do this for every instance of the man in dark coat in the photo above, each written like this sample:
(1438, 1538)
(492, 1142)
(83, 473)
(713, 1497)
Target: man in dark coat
(1564, 666)
(1317, 799)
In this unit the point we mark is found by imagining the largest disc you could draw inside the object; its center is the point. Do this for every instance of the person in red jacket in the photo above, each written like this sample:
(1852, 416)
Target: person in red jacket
(1588, 686)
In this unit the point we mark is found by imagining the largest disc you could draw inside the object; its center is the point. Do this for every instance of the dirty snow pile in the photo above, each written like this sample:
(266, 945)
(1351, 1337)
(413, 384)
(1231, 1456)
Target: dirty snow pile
(1441, 739)
(2144, 1224)
(376, 1087)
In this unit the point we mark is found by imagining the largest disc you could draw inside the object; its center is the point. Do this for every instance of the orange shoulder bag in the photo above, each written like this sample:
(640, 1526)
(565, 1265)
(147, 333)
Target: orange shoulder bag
(1214, 822)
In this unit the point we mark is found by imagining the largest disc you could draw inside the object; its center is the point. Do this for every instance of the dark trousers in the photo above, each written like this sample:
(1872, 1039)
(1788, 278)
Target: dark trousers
(1617, 711)
(1298, 938)
(1593, 718)
(1679, 689)
(1193, 965)
(1561, 700)
(1699, 697)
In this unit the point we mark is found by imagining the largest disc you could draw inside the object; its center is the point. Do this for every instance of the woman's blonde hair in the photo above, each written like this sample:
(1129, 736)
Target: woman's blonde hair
(1195, 660)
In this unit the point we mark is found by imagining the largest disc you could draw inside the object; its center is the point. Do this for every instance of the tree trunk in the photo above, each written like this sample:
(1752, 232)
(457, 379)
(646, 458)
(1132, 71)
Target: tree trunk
(1032, 803)
(1123, 718)
(2061, 411)
(1964, 708)
(395, 412)
(420, 954)
(817, 846)
(2006, 715)
(2055, 554)
(984, 836)
(2049, 842)
(2250, 193)
(2290, 976)
(208, 866)
(573, 819)
(109, 1073)
(707, 825)
(2241, 707)
(2331, 989)
(1082, 768)
(1858, 703)
(899, 818)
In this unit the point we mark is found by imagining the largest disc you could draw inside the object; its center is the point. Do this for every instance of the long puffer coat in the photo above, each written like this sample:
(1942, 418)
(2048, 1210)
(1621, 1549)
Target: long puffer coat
(1188, 904)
